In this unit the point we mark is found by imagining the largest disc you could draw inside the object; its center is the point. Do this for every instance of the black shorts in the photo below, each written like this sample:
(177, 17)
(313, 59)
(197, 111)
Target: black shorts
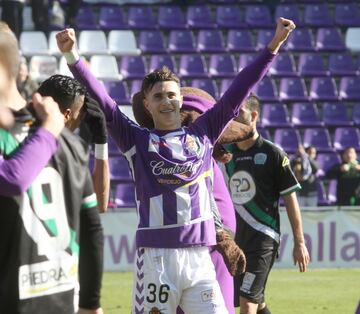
(251, 284)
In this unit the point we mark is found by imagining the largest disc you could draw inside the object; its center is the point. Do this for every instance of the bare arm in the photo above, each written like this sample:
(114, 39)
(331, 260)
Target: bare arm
(101, 182)
(300, 252)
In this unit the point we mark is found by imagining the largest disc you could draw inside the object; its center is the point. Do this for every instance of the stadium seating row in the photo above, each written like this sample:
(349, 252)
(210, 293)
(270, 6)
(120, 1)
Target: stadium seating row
(120, 42)
(225, 16)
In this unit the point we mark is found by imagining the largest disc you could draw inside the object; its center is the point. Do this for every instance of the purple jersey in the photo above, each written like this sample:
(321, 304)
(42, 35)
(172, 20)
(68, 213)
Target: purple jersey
(173, 170)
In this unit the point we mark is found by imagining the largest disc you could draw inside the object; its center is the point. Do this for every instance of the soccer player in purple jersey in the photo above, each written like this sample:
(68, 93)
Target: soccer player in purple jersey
(172, 169)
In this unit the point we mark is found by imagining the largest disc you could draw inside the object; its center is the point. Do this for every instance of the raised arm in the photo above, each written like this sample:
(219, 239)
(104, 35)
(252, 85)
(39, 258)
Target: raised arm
(19, 171)
(215, 120)
(121, 128)
(66, 41)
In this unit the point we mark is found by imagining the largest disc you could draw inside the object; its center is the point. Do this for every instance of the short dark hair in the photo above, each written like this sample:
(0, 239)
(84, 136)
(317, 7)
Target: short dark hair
(253, 103)
(63, 89)
(163, 74)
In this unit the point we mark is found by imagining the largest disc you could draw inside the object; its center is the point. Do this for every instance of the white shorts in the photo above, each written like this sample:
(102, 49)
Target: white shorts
(168, 278)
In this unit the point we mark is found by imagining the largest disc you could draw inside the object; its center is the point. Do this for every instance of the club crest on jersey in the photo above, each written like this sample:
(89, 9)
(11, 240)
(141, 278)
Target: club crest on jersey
(191, 145)
(260, 159)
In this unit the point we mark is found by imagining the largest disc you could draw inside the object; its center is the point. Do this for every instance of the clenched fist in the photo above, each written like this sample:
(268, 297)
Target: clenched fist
(283, 28)
(66, 40)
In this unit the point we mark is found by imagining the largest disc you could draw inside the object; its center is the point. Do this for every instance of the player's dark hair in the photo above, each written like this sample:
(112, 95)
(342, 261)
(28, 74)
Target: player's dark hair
(253, 103)
(163, 74)
(9, 51)
(63, 89)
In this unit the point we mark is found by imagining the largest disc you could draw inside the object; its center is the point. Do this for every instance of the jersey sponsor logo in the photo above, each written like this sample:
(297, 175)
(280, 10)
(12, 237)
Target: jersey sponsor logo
(208, 295)
(186, 169)
(242, 187)
(285, 162)
(260, 159)
(48, 277)
(248, 281)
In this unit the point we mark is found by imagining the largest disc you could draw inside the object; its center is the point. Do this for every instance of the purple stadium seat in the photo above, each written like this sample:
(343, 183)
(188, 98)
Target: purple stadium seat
(207, 85)
(125, 195)
(350, 88)
(119, 169)
(117, 91)
(305, 115)
(288, 139)
(275, 116)
(157, 61)
(323, 89)
(329, 39)
(341, 64)
(181, 41)
(356, 114)
(322, 197)
(346, 137)
(293, 89)
(113, 149)
(135, 87)
(258, 16)
(264, 36)
(229, 16)
(171, 17)
(192, 66)
(326, 161)
(240, 41)
(347, 14)
(210, 41)
(132, 67)
(199, 16)
(311, 64)
(264, 133)
(335, 114)
(317, 15)
(151, 41)
(111, 17)
(141, 17)
(225, 84)
(319, 138)
(266, 90)
(284, 65)
(332, 191)
(222, 65)
(246, 59)
(85, 19)
(290, 11)
(301, 40)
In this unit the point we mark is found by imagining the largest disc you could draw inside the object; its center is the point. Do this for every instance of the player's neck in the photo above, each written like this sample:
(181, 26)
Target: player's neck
(245, 145)
(167, 127)
(12, 99)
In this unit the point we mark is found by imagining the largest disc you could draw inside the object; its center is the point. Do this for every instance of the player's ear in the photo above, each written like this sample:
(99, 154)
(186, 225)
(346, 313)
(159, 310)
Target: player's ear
(254, 116)
(67, 114)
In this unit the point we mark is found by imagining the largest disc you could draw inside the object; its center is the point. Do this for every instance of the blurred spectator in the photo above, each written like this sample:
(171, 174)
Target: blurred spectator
(348, 178)
(71, 11)
(305, 168)
(12, 11)
(40, 15)
(26, 85)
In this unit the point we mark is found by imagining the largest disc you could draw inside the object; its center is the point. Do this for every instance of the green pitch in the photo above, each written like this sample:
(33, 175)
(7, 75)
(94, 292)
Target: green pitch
(319, 291)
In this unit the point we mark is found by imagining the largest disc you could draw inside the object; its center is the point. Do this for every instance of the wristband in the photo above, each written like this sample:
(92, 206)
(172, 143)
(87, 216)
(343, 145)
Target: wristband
(71, 57)
(101, 151)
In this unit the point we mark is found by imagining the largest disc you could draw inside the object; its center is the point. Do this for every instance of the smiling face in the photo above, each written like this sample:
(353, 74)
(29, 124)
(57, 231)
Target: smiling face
(164, 101)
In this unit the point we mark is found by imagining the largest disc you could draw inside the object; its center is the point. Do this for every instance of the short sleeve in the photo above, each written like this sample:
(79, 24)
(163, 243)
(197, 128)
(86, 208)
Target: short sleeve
(287, 181)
